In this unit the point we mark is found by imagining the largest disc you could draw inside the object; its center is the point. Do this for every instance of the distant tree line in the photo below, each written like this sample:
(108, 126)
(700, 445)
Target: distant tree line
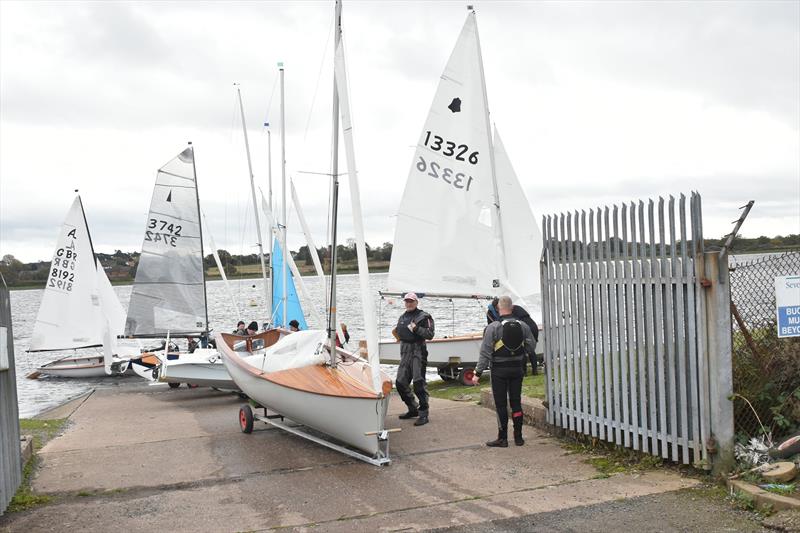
(121, 266)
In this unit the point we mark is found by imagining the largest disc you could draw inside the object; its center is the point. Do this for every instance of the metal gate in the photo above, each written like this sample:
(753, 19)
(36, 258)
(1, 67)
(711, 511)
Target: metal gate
(631, 305)
(10, 466)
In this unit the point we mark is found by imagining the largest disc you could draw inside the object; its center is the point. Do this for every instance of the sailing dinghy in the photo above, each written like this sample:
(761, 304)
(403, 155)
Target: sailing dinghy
(79, 308)
(464, 228)
(303, 376)
(169, 293)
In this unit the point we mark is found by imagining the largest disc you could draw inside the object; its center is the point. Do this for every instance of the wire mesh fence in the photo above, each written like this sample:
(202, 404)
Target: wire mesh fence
(766, 369)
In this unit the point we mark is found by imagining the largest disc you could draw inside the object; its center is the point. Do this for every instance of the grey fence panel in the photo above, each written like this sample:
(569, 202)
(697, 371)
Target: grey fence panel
(10, 462)
(627, 329)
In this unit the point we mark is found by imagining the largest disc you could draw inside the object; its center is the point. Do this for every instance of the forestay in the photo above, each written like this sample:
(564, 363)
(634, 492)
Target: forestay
(168, 292)
(71, 314)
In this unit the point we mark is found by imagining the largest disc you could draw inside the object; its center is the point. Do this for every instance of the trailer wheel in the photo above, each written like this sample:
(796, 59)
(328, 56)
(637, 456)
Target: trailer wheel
(465, 375)
(787, 448)
(246, 419)
(174, 385)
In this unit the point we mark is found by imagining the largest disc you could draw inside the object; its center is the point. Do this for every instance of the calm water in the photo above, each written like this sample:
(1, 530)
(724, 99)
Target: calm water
(463, 316)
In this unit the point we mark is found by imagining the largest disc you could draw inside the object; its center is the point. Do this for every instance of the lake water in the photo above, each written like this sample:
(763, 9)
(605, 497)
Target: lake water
(452, 318)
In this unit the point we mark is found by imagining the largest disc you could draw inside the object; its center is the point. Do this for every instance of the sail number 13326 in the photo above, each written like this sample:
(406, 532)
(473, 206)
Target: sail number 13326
(459, 180)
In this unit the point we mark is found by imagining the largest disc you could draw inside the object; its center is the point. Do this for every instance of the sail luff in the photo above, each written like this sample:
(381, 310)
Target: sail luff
(202, 252)
(234, 306)
(312, 248)
(367, 302)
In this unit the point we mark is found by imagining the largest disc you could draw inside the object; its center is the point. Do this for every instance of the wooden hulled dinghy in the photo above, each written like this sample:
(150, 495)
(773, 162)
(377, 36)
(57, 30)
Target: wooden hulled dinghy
(294, 379)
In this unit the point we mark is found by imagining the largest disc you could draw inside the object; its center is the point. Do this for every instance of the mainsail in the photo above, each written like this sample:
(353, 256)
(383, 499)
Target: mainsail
(71, 314)
(294, 311)
(169, 291)
(450, 237)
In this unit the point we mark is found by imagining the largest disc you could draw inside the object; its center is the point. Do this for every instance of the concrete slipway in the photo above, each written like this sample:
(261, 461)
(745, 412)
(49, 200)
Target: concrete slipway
(154, 459)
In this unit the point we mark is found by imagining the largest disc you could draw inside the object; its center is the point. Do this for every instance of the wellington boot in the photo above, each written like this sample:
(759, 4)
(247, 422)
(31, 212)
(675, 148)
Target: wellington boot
(411, 413)
(501, 441)
(518, 440)
(423, 418)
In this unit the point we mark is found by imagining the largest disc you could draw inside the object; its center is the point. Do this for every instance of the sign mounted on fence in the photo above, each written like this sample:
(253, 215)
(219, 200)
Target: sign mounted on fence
(787, 300)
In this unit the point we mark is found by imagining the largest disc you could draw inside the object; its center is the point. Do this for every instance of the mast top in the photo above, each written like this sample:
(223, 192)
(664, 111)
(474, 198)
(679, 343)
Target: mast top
(190, 143)
(470, 7)
(280, 65)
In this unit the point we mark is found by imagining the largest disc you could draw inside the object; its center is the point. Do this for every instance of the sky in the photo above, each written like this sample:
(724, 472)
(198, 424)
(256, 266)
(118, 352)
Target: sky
(598, 103)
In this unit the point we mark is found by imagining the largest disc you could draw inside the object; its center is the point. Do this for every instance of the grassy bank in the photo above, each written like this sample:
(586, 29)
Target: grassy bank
(532, 386)
(41, 431)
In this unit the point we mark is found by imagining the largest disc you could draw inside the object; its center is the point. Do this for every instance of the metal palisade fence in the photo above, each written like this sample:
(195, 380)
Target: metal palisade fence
(630, 305)
(766, 367)
(10, 462)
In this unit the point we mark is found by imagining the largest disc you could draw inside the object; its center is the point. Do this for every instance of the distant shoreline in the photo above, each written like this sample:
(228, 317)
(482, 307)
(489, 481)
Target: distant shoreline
(377, 269)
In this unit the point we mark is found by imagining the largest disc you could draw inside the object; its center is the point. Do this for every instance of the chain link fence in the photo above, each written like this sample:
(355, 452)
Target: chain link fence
(766, 369)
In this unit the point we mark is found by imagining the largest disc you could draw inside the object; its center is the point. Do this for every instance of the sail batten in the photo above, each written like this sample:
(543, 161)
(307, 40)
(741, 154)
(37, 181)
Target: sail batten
(169, 289)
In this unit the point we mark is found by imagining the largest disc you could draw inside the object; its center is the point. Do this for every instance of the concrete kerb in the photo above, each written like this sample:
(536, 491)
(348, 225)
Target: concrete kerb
(762, 498)
(533, 411)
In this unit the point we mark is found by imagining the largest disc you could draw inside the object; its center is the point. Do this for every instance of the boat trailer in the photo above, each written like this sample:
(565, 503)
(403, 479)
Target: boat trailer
(247, 418)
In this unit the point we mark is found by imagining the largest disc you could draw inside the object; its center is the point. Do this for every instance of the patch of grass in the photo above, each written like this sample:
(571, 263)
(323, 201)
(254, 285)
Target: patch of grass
(532, 386)
(608, 459)
(42, 431)
(25, 498)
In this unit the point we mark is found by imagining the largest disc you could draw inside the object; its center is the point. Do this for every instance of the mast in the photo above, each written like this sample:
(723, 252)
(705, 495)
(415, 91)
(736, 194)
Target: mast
(269, 195)
(253, 192)
(202, 254)
(498, 221)
(332, 325)
(283, 195)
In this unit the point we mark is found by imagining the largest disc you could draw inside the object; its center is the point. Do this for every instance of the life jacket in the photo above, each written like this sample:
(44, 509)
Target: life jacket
(405, 334)
(511, 345)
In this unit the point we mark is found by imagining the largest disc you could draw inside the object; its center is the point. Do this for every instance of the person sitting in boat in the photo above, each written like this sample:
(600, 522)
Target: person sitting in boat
(240, 329)
(518, 312)
(294, 325)
(414, 327)
(252, 328)
(192, 344)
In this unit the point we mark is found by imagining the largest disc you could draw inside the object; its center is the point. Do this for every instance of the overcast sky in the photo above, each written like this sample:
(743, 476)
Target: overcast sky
(597, 102)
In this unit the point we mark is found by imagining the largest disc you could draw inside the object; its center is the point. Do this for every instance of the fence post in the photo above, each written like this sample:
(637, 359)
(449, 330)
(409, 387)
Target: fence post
(718, 313)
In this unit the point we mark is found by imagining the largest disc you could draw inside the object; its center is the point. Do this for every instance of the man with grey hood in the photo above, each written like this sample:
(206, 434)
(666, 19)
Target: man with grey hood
(506, 345)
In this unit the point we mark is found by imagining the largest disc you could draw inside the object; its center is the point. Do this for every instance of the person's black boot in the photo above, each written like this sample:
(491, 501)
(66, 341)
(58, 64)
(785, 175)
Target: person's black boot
(518, 440)
(501, 441)
(411, 413)
(423, 418)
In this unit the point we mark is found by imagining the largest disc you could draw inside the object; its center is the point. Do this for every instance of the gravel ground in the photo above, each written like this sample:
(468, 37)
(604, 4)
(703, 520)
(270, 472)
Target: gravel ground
(687, 510)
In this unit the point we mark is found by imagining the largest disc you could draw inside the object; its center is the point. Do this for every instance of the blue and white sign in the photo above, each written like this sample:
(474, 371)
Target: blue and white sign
(787, 300)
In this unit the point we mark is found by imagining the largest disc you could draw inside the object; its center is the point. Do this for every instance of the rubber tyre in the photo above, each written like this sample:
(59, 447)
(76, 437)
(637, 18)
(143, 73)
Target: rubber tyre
(465, 375)
(246, 419)
(173, 385)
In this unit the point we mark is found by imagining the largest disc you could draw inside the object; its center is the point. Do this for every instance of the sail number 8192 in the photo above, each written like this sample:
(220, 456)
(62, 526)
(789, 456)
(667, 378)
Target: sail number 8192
(436, 171)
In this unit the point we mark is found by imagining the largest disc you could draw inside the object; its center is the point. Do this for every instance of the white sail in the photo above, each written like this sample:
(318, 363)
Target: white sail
(70, 312)
(367, 303)
(444, 240)
(168, 292)
(113, 312)
(522, 238)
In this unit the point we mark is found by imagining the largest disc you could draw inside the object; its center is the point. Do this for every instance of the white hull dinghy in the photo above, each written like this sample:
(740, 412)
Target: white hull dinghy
(79, 308)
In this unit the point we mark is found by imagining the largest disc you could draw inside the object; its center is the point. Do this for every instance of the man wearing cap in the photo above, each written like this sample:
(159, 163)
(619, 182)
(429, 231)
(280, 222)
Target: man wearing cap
(414, 327)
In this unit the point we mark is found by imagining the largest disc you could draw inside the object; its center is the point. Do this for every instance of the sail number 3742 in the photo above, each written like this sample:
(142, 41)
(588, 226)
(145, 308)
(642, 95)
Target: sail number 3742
(459, 180)
(162, 231)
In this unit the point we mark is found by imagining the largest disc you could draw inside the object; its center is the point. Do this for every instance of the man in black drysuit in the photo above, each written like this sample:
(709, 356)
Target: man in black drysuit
(414, 327)
(518, 312)
(506, 344)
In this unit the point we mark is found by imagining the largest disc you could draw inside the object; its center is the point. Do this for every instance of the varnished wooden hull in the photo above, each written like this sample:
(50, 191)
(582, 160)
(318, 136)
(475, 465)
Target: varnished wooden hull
(334, 401)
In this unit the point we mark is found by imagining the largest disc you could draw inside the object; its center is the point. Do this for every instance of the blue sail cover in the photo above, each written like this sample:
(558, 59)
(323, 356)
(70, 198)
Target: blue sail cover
(294, 310)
